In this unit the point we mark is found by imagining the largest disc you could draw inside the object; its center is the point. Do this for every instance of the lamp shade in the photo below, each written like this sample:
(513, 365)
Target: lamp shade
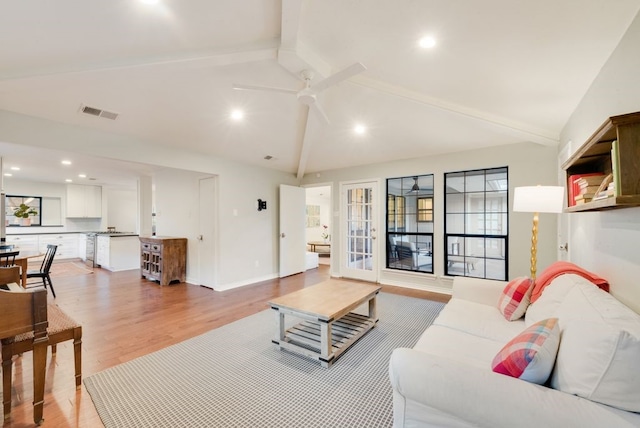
(538, 199)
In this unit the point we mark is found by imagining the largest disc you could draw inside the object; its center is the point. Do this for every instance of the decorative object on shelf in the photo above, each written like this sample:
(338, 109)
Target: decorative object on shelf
(23, 212)
(325, 233)
(537, 199)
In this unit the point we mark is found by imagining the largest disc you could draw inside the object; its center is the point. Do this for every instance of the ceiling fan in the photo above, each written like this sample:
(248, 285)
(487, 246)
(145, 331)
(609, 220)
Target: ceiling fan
(415, 188)
(308, 95)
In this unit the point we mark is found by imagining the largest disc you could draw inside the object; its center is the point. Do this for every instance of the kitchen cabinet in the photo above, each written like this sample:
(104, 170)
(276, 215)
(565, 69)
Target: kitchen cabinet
(84, 201)
(596, 156)
(163, 259)
(102, 251)
(23, 242)
(67, 244)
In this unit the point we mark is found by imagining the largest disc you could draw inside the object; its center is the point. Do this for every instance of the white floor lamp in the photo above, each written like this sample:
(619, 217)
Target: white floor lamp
(537, 199)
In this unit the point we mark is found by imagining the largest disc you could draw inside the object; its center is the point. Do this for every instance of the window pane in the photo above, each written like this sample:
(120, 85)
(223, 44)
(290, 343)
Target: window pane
(474, 181)
(497, 180)
(425, 227)
(454, 183)
(497, 202)
(474, 247)
(455, 223)
(455, 203)
(475, 224)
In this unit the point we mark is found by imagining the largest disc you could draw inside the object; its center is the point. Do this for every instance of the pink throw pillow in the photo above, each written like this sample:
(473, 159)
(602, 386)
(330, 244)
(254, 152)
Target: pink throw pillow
(515, 298)
(530, 355)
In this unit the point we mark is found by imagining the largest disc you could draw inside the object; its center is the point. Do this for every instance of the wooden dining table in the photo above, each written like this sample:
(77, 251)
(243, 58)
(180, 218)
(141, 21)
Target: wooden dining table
(22, 260)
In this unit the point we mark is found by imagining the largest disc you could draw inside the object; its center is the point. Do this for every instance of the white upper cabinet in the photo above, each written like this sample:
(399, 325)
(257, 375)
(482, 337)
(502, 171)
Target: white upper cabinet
(84, 201)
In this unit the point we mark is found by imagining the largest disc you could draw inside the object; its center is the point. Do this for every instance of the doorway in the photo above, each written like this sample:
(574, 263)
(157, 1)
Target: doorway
(318, 227)
(208, 217)
(359, 223)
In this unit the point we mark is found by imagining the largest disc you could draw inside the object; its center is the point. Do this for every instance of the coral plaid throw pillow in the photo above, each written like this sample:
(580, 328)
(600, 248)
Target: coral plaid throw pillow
(515, 298)
(530, 355)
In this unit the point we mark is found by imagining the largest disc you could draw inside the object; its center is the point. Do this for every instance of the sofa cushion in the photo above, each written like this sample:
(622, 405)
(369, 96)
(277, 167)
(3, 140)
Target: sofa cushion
(515, 297)
(600, 349)
(479, 320)
(552, 297)
(458, 346)
(531, 354)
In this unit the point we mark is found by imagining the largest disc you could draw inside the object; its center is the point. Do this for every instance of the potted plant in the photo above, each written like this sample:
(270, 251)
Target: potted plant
(23, 212)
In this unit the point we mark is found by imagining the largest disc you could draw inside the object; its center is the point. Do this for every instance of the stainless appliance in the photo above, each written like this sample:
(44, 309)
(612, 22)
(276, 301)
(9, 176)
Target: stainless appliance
(91, 250)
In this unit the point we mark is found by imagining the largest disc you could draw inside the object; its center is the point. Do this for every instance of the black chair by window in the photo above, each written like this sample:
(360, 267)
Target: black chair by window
(45, 267)
(7, 256)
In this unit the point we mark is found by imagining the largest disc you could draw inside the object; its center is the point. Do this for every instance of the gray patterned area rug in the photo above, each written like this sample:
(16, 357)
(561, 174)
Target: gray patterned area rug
(234, 376)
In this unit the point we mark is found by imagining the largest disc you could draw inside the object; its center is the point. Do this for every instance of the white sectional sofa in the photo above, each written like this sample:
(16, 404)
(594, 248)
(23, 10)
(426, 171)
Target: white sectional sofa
(446, 379)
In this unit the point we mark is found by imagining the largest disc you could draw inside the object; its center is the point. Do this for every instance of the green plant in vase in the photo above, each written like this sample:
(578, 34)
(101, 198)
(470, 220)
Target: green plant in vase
(23, 212)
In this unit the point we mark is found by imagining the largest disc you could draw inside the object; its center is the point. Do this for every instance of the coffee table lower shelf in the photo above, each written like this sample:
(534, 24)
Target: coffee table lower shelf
(306, 338)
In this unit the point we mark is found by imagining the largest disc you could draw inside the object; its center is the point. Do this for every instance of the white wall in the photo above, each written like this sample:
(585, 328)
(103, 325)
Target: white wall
(529, 164)
(608, 242)
(122, 208)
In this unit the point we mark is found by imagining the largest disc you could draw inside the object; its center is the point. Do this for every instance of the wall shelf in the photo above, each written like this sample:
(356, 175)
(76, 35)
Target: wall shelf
(595, 155)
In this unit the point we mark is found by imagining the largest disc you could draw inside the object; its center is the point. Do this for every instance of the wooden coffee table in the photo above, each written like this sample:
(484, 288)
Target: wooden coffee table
(329, 327)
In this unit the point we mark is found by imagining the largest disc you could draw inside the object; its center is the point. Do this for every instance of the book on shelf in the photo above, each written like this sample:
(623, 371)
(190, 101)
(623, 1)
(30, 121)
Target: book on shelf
(584, 196)
(573, 188)
(615, 165)
(587, 188)
(590, 180)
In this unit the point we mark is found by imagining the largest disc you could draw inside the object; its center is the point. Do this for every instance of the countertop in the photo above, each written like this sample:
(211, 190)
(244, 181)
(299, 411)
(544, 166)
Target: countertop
(112, 235)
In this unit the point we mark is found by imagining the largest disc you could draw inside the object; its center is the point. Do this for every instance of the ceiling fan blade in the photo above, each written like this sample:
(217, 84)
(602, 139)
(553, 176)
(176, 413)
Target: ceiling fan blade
(263, 88)
(319, 112)
(338, 77)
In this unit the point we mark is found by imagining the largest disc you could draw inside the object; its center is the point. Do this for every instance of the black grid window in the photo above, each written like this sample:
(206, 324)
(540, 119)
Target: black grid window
(410, 223)
(477, 223)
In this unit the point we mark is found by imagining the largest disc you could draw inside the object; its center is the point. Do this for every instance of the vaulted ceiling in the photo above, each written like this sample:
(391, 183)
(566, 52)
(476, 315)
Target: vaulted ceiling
(501, 72)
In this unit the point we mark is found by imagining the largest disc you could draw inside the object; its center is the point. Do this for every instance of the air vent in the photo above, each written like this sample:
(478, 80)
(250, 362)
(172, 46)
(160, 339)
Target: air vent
(98, 112)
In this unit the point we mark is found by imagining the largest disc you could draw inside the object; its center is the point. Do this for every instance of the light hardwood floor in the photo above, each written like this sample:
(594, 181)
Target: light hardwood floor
(124, 317)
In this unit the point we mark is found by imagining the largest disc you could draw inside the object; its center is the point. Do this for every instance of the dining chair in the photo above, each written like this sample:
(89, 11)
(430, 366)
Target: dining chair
(45, 267)
(8, 255)
(24, 312)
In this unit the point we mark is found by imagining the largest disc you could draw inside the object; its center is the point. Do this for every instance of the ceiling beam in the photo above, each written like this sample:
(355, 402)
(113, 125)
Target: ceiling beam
(506, 126)
(303, 135)
(237, 55)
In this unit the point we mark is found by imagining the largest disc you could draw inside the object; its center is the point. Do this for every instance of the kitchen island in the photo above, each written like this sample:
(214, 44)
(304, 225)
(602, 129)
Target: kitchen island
(117, 251)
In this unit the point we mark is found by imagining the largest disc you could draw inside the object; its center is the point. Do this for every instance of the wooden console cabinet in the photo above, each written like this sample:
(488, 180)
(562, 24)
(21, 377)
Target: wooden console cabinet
(163, 258)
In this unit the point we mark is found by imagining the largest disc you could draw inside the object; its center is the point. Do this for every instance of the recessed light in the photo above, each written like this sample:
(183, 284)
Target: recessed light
(82, 175)
(68, 180)
(8, 174)
(359, 129)
(15, 168)
(66, 162)
(237, 115)
(150, 1)
(427, 42)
